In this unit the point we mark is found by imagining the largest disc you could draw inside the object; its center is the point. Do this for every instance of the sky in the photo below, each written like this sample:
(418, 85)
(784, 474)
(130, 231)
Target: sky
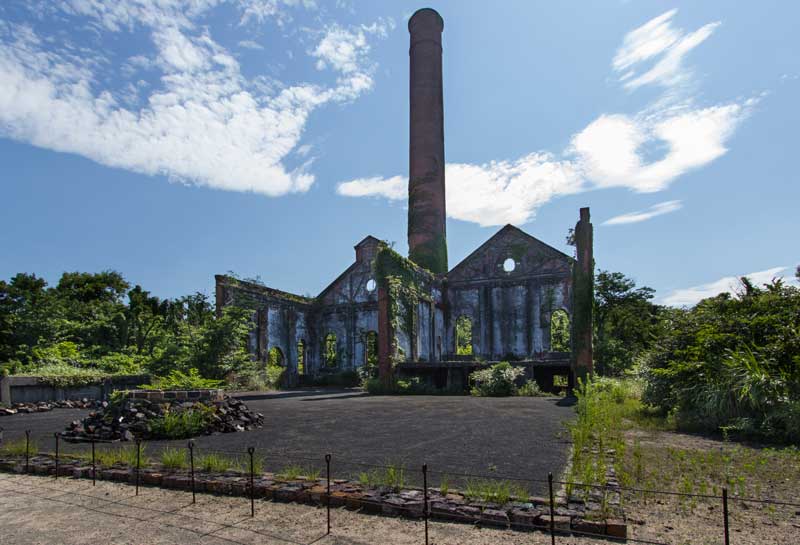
(172, 140)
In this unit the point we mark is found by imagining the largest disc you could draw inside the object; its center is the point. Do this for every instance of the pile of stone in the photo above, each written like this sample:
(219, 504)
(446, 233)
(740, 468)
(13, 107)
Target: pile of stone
(131, 418)
(44, 406)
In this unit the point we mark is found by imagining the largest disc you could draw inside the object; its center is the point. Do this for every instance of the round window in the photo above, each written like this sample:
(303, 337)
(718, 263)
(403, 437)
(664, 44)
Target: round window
(509, 265)
(371, 284)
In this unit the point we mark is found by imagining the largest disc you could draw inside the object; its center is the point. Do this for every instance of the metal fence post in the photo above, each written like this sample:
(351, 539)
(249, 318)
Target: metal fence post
(94, 465)
(56, 436)
(138, 462)
(425, 498)
(552, 509)
(725, 514)
(191, 467)
(328, 495)
(251, 451)
(27, 451)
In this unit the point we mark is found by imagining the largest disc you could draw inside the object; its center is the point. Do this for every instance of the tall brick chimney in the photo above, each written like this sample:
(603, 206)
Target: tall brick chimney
(427, 241)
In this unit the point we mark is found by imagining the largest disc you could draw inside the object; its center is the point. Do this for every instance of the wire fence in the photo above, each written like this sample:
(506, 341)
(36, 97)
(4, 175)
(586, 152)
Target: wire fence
(330, 481)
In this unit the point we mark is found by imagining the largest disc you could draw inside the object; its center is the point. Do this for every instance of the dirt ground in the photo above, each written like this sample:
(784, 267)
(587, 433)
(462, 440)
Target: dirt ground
(701, 465)
(40, 511)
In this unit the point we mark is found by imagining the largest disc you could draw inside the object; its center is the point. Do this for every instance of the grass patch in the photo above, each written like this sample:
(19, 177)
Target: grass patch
(174, 458)
(182, 424)
(392, 476)
(17, 447)
(494, 490)
(215, 463)
(292, 472)
(120, 455)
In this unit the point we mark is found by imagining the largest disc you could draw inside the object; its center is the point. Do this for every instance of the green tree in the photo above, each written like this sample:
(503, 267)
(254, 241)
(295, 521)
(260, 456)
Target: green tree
(624, 321)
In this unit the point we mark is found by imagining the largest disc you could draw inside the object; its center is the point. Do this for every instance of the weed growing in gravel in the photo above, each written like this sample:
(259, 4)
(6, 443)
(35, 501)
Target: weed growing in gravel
(392, 476)
(174, 458)
(17, 447)
(292, 472)
(214, 463)
(121, 455)
(494, 490)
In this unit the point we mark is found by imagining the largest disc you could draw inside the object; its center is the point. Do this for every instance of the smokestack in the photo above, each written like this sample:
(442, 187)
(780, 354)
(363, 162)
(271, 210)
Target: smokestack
(427, 243)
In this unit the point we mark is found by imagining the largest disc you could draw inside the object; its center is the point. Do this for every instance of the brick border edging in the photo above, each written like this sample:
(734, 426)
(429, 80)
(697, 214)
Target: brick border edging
(408, 503)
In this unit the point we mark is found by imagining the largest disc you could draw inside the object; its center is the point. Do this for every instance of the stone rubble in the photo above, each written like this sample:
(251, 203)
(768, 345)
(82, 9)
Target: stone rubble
(129, 418)
(44, 406)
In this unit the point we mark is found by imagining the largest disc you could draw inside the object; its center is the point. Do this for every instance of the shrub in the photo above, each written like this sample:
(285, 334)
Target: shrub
(531, 389)
(496, 381)
(182, 424)
(274, 376)
(177, 380)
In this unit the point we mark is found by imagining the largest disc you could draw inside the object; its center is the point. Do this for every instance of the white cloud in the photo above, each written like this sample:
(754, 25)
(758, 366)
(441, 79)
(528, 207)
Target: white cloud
(394, 188)
(728, 284)
(250, 44)
(614, 150)
(204, 124)
(644, 215)
(609, 147)
(658, 39)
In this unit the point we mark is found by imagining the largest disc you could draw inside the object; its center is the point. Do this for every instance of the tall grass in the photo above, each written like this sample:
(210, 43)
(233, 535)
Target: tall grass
(391, 476)
(17, 447)
(174, 458)
(494, 490)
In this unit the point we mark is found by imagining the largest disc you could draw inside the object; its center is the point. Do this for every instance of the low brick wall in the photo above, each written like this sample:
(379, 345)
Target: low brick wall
(177, 395)
(523, 514)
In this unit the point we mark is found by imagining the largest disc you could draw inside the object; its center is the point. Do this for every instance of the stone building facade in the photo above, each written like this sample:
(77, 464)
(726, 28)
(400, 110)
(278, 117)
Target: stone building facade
(414, 316)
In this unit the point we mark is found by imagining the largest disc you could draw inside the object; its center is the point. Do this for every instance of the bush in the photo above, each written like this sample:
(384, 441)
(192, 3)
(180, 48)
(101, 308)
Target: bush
(730, 364)
(496, 381)
(531, 389)
(178, 380)
(412, 386)
(182, 424)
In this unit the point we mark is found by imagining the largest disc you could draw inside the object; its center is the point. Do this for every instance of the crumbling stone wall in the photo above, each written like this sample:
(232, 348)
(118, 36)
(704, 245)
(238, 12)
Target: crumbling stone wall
(510, 309)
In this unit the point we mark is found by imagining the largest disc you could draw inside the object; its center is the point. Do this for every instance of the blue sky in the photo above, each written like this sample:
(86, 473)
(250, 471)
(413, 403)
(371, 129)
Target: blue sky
(173, 140)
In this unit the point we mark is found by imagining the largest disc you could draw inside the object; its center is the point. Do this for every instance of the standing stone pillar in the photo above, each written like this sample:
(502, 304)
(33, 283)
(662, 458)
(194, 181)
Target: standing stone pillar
(427, 242)
(583, 299)
(385, 337)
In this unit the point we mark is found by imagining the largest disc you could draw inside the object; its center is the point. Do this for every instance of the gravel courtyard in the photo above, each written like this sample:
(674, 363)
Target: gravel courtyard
(513, 437)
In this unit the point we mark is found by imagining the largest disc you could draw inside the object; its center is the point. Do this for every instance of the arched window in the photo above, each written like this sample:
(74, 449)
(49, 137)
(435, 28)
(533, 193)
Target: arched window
(559, 331)
(331, 352)
(463, 336)
(301, 357)
(275, 357)
(371, 350)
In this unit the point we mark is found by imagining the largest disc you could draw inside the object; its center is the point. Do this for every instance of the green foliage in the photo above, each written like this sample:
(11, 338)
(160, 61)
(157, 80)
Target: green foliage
(331, 353)
(215, 463)
(412, 386)
(126, 455)
(182, 424)
(178, 380)
(731, 364)
(85, 328)
(496, 381)
(531, 389)
(274, 376)
(559, 332)
(174, 458)
(18, 447)
(625, 322)
(392, 476)
(495, 490)
(293, 472)
(463, 336)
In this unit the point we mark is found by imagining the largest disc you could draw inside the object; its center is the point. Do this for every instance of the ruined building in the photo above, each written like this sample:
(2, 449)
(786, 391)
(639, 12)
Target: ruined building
(514, 298)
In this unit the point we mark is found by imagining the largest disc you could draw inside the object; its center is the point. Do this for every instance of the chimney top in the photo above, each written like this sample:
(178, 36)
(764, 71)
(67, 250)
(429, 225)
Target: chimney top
(425, 19)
